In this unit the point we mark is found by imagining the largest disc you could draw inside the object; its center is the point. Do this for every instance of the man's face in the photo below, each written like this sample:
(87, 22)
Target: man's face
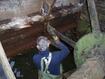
(43, 45)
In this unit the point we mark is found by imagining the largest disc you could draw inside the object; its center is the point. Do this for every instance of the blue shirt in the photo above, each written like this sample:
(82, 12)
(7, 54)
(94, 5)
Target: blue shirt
(57, 57)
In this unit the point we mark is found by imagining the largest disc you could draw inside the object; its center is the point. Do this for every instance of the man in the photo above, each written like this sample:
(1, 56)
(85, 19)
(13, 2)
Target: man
(48, 63)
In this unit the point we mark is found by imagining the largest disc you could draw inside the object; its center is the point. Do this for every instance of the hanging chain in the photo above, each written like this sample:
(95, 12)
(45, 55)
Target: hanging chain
(46, 11)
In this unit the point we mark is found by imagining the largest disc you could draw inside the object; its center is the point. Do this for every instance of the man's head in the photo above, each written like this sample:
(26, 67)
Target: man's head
(43, 43)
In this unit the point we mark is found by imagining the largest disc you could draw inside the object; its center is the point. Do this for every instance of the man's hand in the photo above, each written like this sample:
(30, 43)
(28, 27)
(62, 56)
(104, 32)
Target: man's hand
(52, 31)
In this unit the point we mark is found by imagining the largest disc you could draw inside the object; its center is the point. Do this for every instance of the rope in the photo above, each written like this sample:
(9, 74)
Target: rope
(45, 62)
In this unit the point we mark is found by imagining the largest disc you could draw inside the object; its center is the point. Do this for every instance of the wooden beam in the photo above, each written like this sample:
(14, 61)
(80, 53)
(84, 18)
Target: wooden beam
(93, 16)
(53, 31)
(5, 64)
(66, 39)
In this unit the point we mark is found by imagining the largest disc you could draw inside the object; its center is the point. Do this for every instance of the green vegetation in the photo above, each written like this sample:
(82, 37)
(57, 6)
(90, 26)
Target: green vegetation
(84, 27)
(85, 44)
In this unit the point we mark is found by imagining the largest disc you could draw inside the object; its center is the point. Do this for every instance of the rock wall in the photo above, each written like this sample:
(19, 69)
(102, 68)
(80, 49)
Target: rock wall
(12, 8)
(100, 4)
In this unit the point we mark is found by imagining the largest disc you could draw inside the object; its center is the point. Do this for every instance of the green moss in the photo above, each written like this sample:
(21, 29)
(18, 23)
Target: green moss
(84, 27)
(85, 44)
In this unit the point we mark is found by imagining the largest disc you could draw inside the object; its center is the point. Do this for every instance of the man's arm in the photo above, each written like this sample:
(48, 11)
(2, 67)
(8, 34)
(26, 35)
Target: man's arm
(62, 53)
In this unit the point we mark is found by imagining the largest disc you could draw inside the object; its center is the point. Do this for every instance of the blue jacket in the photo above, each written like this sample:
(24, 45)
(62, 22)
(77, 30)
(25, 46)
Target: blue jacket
(57, 57)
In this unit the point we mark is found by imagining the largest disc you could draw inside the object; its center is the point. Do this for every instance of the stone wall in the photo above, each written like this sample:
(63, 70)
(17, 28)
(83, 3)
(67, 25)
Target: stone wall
(12, 8)
(100, 4)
